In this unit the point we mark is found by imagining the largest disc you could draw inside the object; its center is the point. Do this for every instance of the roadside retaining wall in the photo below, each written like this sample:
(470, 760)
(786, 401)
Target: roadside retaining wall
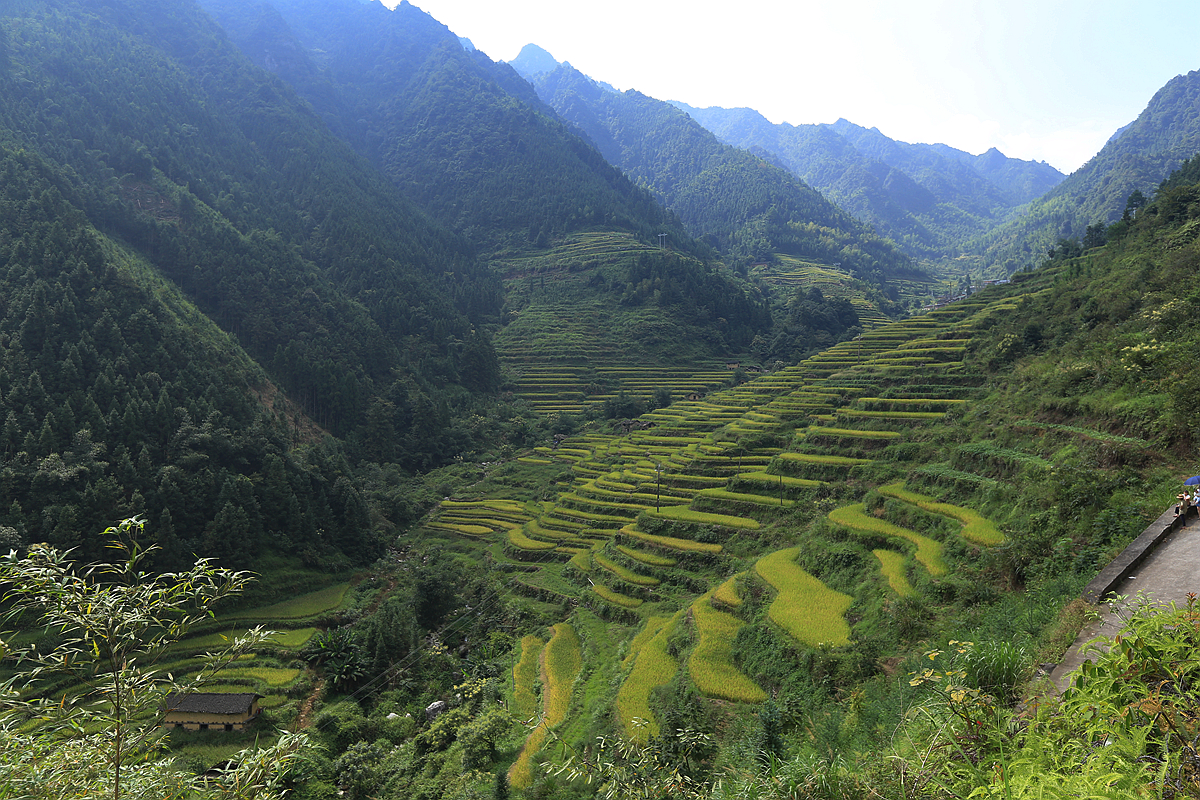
(1120, 567)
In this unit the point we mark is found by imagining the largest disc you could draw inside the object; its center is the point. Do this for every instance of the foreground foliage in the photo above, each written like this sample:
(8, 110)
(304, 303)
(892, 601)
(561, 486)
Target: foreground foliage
(82, 718)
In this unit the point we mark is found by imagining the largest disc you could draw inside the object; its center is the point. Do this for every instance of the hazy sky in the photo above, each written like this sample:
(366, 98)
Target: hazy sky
(1047, 80)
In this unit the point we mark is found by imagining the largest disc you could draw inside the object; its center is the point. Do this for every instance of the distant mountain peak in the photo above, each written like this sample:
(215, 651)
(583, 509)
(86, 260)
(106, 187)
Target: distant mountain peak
(533, 61)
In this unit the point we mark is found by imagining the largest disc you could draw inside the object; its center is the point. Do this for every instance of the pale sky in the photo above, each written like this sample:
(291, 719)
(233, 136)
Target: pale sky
(1044, 80)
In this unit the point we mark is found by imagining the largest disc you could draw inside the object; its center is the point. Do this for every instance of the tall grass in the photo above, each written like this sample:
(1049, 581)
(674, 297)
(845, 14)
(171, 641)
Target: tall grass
(774, 480)
(849, 432)
(288, 639)
(741, 497)
(464, 529)
(915, 416)
(271, 676)
(826, 460)
(998, 668)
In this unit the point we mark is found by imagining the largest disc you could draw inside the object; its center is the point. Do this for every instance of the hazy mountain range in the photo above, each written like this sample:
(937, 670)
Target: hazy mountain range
(938, 202)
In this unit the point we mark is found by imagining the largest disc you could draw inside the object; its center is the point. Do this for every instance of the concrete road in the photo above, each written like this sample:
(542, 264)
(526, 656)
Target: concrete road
(1166, 571)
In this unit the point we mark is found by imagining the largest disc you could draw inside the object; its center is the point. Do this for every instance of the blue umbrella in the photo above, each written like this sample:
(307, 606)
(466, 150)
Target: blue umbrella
(1192, 481)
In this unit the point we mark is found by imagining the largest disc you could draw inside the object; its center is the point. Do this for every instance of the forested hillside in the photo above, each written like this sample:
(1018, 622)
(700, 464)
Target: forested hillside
(353, 314)
(469, 140)
(120, 399)
(464, 137)
(143, 144)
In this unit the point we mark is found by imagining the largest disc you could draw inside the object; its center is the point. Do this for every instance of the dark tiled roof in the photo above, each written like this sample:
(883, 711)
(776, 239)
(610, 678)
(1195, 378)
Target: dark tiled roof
(212, 702)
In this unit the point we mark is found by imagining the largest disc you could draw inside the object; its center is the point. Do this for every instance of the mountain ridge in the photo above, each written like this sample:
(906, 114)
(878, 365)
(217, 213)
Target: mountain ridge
(1138, 157)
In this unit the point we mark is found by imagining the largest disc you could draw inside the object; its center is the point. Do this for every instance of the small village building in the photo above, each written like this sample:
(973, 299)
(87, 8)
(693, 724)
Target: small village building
(207, 711)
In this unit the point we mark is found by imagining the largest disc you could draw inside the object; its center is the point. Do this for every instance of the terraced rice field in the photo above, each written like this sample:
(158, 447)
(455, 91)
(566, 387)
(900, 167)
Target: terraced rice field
(652, 514)
(928, 551)
(561, 661)
(976, 527)
(652, 666)
(807, 609)
(793, 273)
(572, 389)
(525, 676)
(891, 564)
(711, 664)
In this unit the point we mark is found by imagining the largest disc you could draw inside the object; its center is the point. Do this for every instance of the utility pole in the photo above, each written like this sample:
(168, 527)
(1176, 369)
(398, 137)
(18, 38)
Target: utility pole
(662, 237)
(658, 491)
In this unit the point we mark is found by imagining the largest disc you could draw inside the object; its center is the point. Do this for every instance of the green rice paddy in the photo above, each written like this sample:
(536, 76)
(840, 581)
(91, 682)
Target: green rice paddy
(562, 659)
(305, 606)
(710, 665)
(891, 564)
(929, 551)
(653, 666)
(807, 609)
(976, 527)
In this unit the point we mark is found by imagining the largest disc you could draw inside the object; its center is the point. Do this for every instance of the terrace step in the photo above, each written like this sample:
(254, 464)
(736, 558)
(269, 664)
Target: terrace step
(928, 551)
(808, 610)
